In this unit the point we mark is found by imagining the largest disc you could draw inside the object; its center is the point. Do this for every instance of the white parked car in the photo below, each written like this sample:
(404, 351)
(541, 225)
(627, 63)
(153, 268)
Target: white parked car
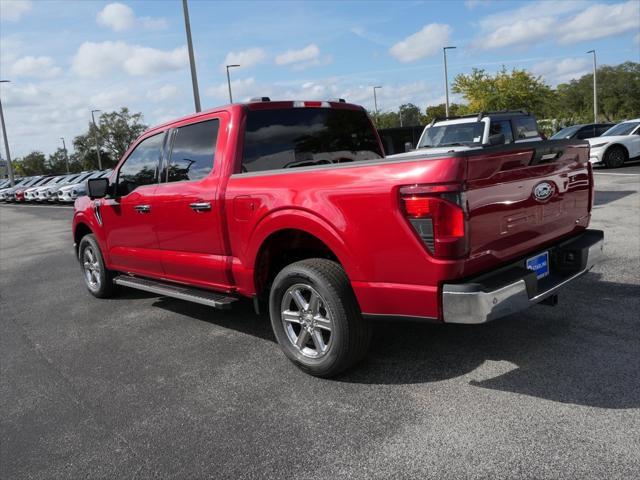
(617, 145)
(455, 134)
(69, 193)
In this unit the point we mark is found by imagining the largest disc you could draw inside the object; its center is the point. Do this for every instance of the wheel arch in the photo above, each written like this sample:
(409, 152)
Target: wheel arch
(613, 145)
(288, 236)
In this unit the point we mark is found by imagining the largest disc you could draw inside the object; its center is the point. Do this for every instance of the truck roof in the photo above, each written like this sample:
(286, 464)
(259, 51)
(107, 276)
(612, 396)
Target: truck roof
(263, 103)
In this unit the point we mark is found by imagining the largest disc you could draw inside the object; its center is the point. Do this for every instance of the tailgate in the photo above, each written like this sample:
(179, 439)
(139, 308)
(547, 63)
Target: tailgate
(522, 198)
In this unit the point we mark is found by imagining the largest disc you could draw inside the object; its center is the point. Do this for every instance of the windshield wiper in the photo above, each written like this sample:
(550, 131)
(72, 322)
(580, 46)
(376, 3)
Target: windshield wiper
(453, 144)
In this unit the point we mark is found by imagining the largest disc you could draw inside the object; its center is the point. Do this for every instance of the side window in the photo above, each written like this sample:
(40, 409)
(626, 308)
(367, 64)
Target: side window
(525, 127)
(193, 151)
(585, 132)
(503, 127)
(600, 130)
(141, 167)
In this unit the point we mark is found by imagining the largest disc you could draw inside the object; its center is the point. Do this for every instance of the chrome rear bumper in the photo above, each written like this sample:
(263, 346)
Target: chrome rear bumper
(486, 297)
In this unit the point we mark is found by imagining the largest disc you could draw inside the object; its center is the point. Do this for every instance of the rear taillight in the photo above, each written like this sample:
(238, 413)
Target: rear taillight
(438, 216)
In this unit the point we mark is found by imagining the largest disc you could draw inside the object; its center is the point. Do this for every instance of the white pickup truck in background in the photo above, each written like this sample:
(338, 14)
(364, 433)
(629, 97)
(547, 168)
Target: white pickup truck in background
(475, 131)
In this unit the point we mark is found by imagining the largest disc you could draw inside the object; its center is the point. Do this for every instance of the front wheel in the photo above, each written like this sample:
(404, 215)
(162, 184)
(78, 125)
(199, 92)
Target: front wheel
(97, 278)
(316, 319)
(615, 157)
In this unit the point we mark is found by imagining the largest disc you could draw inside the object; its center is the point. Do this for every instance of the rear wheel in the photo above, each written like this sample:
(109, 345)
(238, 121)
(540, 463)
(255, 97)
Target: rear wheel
(615, 157)
(316, 319)
(97, 278)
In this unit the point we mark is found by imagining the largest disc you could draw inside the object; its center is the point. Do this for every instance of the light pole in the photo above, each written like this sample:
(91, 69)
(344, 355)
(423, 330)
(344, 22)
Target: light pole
(192, 61)
(66, 156)
(6, 142)
(446, 80)
(95, 137)
(595, 89)
(229, 81)
(375, 102)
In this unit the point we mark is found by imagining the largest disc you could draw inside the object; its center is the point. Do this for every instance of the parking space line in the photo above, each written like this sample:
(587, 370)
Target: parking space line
(39, 206)
(618, 174)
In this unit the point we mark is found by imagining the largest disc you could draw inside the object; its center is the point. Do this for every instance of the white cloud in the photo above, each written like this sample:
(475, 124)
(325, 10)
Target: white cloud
(13, 10)
(565, 22)
(111, 99)
(117, 16)
(242, 90)
(602, 20)
(29, 66)
(120, 17)
(562, 71)
(519, 32)
(310, 52)
(424, 43)
(163, 93)
(245, 58)
(96, 59)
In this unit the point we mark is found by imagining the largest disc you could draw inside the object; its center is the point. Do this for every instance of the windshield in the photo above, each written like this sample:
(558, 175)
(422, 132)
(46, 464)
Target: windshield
(452, 135)
(624, 128)
(567, 132)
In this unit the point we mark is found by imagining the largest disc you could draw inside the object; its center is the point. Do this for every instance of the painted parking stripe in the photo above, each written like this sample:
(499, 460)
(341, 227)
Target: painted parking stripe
(38, 206)
(617, 174)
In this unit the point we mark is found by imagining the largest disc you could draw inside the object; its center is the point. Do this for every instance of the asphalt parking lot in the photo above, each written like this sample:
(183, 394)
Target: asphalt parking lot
(140, 386)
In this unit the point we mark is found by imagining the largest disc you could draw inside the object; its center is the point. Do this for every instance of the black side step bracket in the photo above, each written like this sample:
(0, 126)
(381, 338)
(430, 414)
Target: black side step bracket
(196, 295)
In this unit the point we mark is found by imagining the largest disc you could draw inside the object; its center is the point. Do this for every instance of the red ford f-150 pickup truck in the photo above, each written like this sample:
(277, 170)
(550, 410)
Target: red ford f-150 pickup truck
(295, 205)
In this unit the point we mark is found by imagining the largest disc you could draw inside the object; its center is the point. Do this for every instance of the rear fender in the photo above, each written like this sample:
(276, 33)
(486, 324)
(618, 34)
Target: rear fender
(296, 219)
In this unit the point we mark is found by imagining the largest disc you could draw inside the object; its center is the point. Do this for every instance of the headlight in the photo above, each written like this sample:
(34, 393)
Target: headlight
(598, 145)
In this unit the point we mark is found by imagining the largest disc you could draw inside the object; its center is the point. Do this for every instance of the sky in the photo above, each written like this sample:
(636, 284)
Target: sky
(65, 58)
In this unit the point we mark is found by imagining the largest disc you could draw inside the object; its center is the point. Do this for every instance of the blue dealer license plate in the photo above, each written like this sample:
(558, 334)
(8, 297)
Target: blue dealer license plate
(539, 264)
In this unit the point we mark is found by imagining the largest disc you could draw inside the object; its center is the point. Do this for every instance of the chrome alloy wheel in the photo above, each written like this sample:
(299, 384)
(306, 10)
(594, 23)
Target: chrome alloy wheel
(91, 267)
(306, 320)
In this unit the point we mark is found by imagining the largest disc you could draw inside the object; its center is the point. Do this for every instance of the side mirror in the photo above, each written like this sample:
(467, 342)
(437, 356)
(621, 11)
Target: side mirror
(496, 139)
(97, 187)
(408, 146)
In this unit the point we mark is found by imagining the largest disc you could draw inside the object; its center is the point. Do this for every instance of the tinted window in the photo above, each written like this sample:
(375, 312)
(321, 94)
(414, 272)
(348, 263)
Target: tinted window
(301, 137)
(624, 128)
(465, 133)
(526, 127)
(586, 132)
(141, 167)
(602, 128)
(503, 127)
(193, 151)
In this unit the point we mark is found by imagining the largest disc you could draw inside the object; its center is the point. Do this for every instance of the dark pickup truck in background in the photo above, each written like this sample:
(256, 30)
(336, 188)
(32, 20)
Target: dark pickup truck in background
(295, 205)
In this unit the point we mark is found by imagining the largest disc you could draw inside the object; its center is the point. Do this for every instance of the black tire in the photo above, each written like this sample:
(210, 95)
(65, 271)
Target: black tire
(103, 287)
(349, 336)
(615, 157)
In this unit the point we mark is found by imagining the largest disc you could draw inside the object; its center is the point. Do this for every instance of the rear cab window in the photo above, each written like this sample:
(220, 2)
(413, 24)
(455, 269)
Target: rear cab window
(279, 138)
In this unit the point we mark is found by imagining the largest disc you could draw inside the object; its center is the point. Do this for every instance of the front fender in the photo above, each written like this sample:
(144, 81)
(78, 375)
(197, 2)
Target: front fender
(84, 214)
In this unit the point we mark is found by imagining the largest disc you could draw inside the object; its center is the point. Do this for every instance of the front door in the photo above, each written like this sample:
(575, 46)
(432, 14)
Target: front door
(130, 216)
(190, 226)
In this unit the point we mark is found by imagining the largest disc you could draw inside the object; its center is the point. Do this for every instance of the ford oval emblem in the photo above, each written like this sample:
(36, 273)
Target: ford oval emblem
(543, 191)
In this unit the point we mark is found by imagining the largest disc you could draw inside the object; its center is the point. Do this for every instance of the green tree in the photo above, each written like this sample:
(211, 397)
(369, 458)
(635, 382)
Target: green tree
(410, 115)
(31, 164)
(439, 111)
(618, 95)
(517, 89)
(116, 131)
(56, 163)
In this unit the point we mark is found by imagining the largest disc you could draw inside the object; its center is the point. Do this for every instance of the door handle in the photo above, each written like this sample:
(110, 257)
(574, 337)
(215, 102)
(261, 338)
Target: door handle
(142, 208)
(200, 206)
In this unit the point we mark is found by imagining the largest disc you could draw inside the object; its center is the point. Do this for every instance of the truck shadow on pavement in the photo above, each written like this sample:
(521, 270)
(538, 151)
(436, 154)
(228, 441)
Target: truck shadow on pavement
(584, 353)
(607, 196)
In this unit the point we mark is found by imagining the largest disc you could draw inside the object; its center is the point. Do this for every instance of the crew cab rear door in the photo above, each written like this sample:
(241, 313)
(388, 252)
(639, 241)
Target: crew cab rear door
(190, 225)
